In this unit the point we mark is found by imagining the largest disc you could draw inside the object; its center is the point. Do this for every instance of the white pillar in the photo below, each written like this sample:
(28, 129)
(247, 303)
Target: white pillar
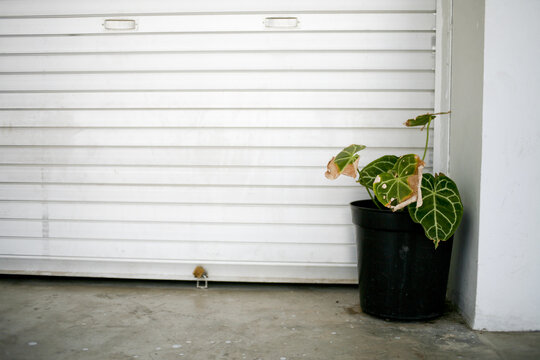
(496, 271)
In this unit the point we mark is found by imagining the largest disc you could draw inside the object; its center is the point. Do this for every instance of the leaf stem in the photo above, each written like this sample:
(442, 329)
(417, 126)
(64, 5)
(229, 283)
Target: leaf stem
(427, 139)
(427, 131)
(441, 113)
(373, 199)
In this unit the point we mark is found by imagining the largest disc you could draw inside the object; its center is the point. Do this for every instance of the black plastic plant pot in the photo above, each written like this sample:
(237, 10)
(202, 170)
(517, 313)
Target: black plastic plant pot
(401, 274)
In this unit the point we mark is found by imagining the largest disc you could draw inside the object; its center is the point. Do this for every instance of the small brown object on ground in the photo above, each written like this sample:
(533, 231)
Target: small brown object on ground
(200, 272)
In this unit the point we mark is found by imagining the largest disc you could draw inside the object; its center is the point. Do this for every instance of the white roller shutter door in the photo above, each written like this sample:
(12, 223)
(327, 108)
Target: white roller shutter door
(201, 136)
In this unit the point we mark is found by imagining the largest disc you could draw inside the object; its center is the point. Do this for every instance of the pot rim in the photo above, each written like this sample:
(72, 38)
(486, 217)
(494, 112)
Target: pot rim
(372, 206)
(365, 214)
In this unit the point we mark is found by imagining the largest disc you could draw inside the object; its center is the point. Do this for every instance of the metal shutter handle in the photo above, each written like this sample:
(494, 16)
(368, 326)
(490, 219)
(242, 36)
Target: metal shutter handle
(281, 22)
(120, 24)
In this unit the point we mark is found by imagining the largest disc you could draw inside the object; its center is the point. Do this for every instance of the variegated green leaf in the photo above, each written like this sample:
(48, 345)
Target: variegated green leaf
(368, 174)
(348, 156)
(441, 211)
(400, 186)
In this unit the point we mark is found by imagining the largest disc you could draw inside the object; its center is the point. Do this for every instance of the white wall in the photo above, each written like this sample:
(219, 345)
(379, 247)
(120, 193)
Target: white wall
(508, 293)
(495, 271)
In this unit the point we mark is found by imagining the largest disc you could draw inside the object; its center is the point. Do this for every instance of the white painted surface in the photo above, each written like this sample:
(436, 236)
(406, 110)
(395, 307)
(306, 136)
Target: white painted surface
(194, 23)
(225, 42)
(494, 152)
(200, 136)
(68, 7)
(508, 291)
(443, 73)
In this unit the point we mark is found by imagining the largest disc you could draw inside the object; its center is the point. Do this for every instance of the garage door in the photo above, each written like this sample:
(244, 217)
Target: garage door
(142, 138)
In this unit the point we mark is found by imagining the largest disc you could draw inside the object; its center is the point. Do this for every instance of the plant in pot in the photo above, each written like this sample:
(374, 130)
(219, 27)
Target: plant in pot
(404, 233)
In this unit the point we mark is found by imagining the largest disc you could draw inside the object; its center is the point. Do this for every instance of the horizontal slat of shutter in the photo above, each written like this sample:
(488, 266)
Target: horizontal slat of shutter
(178, 156)
(69, 7)
(219, 23)
(211, 137)
(268, 214)
(219, 61)
(182, 251)
(201, 176)
(262, 41)
(179, 195)
(169, 269)
(320, 118)
(163, 231)
(308, 80)
(222, 99)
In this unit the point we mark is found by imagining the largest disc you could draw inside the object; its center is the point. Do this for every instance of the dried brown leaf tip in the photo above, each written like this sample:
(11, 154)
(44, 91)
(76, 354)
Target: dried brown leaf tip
(415, 182)
(200, 272)
(332, 170)
(351, 169)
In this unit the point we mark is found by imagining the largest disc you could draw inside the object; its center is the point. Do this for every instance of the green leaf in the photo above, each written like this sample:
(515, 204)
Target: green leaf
(441, 211)
(374, 168)
(420, 120)
(348, 156)
(400, 185)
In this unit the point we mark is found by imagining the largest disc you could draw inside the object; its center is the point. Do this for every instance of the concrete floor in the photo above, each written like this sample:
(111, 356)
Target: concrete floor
(65, 318)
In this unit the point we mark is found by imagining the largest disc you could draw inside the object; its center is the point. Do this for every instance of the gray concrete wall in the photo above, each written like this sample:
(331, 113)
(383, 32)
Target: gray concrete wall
(466, 146)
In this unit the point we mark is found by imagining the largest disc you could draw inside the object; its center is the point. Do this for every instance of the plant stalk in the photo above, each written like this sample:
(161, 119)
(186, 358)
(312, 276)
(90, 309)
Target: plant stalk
(427, 131)
(372, 198)
(442, 113)
(427, 139)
